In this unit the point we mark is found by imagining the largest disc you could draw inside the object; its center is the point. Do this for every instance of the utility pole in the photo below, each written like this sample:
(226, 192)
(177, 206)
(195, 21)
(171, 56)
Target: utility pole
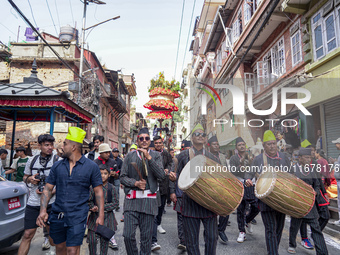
(82, 46)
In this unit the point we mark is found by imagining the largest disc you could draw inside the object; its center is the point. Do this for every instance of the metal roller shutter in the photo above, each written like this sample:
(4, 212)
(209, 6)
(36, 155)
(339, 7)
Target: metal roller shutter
(332, 118)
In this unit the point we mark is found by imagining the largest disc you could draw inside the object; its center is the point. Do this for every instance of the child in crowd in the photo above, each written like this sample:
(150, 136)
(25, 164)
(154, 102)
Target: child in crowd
(110, 205)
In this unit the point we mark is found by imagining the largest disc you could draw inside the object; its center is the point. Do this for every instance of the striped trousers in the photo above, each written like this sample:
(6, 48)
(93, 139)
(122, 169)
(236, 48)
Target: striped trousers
(241, 214)
(222, 223)
(274, 223)
(319, 241)
(133, 219)
(192, 230)
(92, 240)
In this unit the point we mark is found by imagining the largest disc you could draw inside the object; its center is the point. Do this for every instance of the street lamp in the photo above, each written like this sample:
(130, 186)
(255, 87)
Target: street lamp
(83, 41)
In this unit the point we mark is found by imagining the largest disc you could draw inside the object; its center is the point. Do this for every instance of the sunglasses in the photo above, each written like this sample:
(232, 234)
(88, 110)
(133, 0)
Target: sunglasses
(144, 138)
(199, 134)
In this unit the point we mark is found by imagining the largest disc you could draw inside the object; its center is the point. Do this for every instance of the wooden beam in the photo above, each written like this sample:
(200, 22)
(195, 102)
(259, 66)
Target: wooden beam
(279, 16)
(294, 8)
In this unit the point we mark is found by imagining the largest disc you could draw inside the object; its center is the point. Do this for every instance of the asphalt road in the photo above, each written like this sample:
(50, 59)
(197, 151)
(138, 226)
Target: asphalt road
(254, 245)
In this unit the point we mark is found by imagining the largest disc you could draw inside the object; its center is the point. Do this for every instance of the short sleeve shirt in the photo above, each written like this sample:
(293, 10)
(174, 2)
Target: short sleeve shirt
(34, 198)
(72, 191)
(19, 165)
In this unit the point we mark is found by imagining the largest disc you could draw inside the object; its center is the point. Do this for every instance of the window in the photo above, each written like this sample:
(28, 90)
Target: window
(248, 11)
(224, 50)
(237, 27)
(325, 27)
(262, 72)
(295, 41)
(330, 38)
(218, 61)
(250, 82)
(278, 58)
(317, 36)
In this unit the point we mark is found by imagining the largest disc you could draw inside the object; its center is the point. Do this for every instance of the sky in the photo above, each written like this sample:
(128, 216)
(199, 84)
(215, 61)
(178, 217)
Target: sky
(143, 41)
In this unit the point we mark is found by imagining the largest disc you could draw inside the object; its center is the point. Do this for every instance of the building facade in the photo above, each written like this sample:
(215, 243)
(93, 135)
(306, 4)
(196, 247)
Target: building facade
(262, 48)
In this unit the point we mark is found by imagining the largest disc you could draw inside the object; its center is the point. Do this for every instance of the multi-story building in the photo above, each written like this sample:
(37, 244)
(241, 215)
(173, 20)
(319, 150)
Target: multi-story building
(320, 25)
(103, 92)
(256, 45)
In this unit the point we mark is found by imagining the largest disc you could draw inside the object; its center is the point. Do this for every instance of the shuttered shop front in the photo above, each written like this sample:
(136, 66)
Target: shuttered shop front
(332, 118)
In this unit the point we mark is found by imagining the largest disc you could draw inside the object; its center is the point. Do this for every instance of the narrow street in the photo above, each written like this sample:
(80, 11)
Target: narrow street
(254, 245)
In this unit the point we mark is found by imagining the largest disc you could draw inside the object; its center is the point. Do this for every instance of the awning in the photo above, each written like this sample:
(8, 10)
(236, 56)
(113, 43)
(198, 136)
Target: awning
(231, 142)
(27, 110)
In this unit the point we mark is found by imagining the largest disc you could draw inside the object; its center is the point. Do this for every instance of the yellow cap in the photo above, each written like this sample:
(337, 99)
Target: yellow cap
(76, 134)
(197, 127)
(268, 136)
(133, 146)
(305, 143)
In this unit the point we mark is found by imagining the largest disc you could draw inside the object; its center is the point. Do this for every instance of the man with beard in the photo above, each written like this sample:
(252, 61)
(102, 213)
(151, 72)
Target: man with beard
(139, 174)
(273, 220)
(163, 190)
(192, 212)
(72, 177)
(97, 140)
(236, 161)
(220, 158)
(37, 168)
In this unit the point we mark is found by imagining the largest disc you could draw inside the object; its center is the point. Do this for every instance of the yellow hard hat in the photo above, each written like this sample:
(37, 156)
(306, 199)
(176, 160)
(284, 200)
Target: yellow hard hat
(268, 136)
(76, 134)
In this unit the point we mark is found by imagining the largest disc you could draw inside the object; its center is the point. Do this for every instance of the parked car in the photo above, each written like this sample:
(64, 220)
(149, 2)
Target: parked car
(13, 198)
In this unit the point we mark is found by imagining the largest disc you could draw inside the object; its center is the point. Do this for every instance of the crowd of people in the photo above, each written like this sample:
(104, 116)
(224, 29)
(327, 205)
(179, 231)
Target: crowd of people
(72, 195)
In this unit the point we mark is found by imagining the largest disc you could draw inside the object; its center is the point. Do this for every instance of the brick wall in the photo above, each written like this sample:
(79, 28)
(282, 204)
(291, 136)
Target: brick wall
(28, 132)
(49, 73)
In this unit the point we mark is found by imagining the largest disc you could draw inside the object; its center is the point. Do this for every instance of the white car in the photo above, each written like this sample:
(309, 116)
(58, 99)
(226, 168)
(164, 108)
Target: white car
(13, 198)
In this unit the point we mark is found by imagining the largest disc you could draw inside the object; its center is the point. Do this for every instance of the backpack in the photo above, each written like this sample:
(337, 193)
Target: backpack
(55, 159)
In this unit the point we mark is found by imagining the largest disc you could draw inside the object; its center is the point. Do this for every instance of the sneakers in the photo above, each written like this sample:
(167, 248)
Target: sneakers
(181, 247)
(337, 222)
(113, 244)
(306, 244)
(155, 247)
(46, 244)
(241, 237)
(249, 228)
(160, 229)
(223, 237)
(291, 250)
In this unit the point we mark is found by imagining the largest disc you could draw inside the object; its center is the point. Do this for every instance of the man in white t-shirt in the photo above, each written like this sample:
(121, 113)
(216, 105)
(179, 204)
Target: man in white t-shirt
(36, 171)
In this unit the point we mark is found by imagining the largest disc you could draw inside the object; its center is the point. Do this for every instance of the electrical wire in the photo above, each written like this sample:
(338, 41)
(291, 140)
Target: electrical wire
(48, 7)
(42, 38)
(179, 38)
(8, 29)
(56, 7)
(32, 13)
(71, 11)
(186, 47)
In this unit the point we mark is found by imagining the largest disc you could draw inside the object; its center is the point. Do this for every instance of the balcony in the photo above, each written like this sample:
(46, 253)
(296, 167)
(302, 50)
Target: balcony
(113, 96)
(130, 84)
